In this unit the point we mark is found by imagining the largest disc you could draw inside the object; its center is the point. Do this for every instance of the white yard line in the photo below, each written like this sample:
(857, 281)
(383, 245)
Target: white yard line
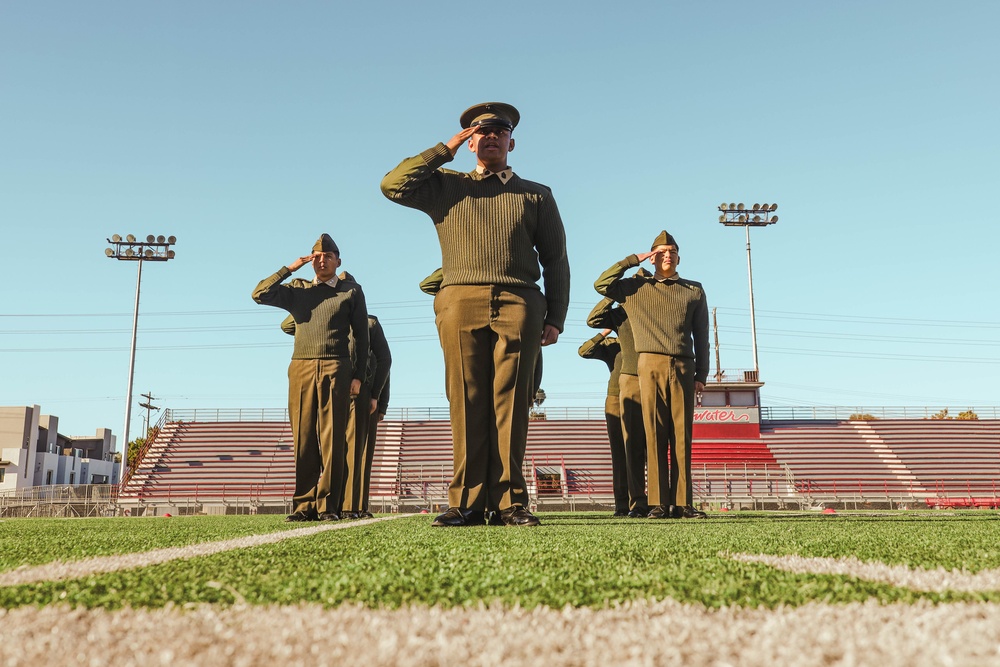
(638, 634)
(936, 581)
(59, 570)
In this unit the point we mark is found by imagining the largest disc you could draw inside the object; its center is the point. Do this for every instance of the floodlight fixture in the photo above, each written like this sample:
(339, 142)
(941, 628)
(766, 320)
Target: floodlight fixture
(733, 216)
(154, 249)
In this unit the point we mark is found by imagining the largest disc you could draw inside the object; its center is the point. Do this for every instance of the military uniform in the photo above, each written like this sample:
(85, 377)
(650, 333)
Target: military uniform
(609, 351)
(494, 228)
(633, 433)
(327, 315)
(669, 318)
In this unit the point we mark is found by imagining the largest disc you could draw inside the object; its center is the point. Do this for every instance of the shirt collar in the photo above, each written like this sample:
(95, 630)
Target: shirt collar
(332, 282)
(504, 175)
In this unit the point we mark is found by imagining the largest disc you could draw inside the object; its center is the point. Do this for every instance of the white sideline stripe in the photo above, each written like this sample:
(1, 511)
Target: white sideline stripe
(61, 570)
(934, 581)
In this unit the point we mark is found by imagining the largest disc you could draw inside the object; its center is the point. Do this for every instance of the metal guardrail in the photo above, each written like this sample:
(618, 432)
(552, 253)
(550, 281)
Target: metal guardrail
(800, 412)
(91, 500)
(395, 414)
(767, 413)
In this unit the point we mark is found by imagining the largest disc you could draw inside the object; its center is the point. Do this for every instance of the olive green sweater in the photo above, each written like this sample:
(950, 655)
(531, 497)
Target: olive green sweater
(668, 316)
(604, 316)
(609, 351)
(490, 233)
(325, 317)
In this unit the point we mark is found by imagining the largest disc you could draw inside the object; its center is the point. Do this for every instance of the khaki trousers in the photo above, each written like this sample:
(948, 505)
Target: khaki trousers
(490, 336)
(619, 477)
(634, 433)
(357, 441)
(366, 479)
(318, 405)
(667, 386)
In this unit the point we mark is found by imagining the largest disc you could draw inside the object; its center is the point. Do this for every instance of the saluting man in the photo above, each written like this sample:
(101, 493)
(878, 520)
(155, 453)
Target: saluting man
(669, 319)
(607, 315)
(495, 229)
(606, 348)
(321, 378)
(367, 409)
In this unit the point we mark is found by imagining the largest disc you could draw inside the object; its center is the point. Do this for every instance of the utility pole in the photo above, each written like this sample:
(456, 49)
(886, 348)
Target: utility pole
(718, 363)
(149, 407)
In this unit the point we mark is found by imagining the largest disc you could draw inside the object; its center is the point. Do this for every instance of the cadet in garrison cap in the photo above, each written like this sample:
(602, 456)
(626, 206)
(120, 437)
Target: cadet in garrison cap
(669, 318)
(495, 229)
(622, 409)
(607, 349)
(368, 408)
(327, 313)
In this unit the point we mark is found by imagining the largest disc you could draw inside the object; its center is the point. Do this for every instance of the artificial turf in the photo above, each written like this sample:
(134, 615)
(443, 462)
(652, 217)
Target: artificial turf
(572, 559)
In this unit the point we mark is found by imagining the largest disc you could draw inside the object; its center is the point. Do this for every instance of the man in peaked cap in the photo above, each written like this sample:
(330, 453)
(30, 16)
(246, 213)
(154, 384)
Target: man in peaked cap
(669, 317)
(499, 234)
(327, 312)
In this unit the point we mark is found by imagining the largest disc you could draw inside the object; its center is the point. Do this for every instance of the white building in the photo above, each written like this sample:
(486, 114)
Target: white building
(34, 454)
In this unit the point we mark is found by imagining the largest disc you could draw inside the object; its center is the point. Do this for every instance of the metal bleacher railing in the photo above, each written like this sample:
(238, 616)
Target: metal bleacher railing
(818, 412)
(420, 480)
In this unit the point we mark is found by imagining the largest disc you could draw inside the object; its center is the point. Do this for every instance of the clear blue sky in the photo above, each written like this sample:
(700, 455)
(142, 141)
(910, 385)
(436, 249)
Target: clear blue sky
(248, 128)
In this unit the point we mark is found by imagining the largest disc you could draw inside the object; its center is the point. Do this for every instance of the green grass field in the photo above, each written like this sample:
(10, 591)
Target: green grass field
(580, 560)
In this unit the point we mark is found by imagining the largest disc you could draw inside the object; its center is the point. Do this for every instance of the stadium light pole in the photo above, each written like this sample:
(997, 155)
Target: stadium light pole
(758, 215)
(153, 249)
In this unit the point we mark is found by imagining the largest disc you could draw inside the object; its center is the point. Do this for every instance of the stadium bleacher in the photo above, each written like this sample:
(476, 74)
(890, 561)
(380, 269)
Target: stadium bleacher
(940, 463)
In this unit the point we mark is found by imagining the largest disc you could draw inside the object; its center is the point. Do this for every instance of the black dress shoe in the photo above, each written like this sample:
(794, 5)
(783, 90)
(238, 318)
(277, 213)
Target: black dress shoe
(329, 516)
(620, 514)
(493, 518)
(688, 512)
(349, 514)
(300, 516)
(365, 514)
(453, 516)
(661, 512)
(638, 513)
(516, 515)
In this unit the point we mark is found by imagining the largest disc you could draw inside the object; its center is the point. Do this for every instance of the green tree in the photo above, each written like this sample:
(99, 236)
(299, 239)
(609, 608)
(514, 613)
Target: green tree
(136, 446)
(968, 414)
(943, 414)
(862, 416)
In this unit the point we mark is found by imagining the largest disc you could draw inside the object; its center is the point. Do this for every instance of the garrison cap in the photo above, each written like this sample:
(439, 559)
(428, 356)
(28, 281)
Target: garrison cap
(495, 114)
(325, 244)
(664, 239)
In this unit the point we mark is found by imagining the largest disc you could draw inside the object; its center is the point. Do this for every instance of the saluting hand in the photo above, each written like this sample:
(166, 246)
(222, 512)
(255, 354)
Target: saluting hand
(456, 142)
(300, 262)
(642, 257)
